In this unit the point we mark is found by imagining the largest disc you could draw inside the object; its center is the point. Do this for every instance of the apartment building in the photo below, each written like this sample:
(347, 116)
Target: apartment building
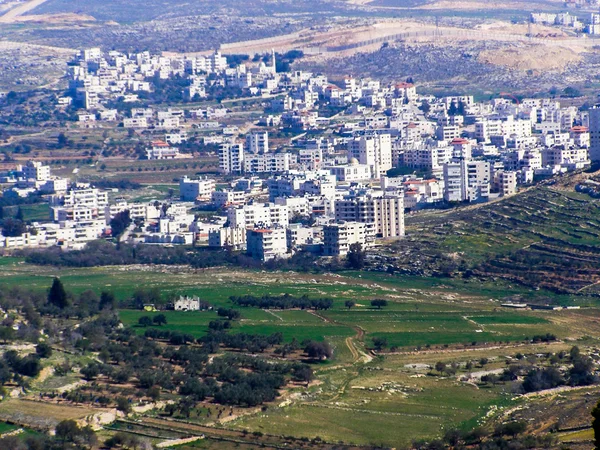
(269, 162)
(260, 215)
(265, 244)
(162, 150)
(228, 197)
(385, 212)
(192, 190)
(231, 158)
(466, 181)
(505, 182)
(352, 172)
(337, 238)
(230, 237)
(594, 126)
(35, 170)
(257, 142)
(373, 150)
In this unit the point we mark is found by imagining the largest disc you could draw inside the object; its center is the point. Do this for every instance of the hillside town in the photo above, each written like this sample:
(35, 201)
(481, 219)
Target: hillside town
(361, 155)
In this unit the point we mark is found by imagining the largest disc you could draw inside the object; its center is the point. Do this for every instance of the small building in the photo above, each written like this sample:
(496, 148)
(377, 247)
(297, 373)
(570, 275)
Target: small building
(187, 304)
(162, 150)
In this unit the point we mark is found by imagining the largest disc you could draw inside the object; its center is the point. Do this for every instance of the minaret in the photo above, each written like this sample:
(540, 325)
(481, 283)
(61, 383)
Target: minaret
(274, 63)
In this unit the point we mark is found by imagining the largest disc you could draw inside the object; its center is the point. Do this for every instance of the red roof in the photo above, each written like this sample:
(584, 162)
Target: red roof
(159, 144)
(404, 85)
(459, 141)
(579, 129)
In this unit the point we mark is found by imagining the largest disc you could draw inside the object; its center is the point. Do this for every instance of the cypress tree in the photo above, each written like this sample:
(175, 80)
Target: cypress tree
(57, 295)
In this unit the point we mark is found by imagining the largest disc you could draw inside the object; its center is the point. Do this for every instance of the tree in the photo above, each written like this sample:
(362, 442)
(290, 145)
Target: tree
(57, 295)
(379, 303)
(62, 140)
(570, 91)
(483, 362)
(596, 425)
(574, 353)
(145, 321)
(425, 107)
(440, 367)
(19, 215)
(350, 304)
(453, 109)
(90, 371)
(107, 300)
(123, 405)
(356, 256)
(160, 320)
(120, 222)
(511, 428)
(67, 430)
(318, 350)
(13, 228)
(380, 342)
(43, 350)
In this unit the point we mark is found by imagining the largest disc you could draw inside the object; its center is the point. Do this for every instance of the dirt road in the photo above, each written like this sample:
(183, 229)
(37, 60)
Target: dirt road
(20, 10)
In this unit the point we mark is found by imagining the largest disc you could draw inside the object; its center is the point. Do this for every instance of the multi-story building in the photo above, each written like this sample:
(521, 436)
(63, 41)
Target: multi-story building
(161, 150)
(352, 172)
(385, 212)
(228, 197)
(35, 170)
(231, 237)
(231, 157)
(268, 162)
(337, 238)
(505, 182)
(251, 216)
(266, 243)
(257, 142)
(594, 126)
(466, 181)
(192, 190)
(373, 150)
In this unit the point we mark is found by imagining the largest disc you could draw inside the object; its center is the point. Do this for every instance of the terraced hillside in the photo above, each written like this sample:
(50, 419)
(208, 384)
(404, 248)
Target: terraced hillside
(542, 238)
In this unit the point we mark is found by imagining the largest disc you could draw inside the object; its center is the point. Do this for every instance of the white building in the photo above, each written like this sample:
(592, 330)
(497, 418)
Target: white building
(259, 215)
(162, 150)
(352, 172)
(338, 238)
(187, 304)
(227, 237)
(257, 142)
(265, 244)
(192, 190)
(385, 212)
(267, 162)
(35, 170)
(231, 158)
(373, 150)
(594, 126)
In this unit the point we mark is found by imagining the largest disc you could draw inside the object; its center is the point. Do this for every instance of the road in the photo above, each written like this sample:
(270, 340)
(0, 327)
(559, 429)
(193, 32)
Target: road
(20, 10)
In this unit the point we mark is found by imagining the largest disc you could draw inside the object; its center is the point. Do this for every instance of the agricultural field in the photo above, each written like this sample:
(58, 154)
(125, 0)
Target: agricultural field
(442, 315)
(361, 396)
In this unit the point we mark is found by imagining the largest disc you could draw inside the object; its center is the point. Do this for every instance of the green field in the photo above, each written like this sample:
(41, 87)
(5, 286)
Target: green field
(358, 397)
(254, 321)
(419, 312)
(396, 406)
